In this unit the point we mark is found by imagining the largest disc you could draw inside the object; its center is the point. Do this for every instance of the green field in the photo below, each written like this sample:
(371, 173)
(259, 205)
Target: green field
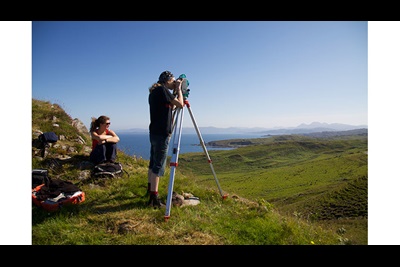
(282, 190)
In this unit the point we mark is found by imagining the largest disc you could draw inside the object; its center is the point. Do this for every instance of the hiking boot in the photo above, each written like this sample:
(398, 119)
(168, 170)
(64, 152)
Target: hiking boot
(155, 202)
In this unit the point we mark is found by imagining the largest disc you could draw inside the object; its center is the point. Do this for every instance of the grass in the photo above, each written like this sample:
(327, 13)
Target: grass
(285, 190)
(323, 181)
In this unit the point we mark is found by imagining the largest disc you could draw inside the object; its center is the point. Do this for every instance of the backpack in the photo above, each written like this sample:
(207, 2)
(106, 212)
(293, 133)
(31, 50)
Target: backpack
(40, 176)
(57, 194)
(48, 137)
(107, 170)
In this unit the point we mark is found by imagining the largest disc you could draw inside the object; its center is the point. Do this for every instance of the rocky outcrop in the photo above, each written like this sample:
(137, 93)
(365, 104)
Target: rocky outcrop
(73, 136)
(78, 124)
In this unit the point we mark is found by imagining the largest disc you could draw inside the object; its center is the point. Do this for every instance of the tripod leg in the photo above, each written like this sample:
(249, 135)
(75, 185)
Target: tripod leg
(204, 148)
(175, 114)
(174, 159)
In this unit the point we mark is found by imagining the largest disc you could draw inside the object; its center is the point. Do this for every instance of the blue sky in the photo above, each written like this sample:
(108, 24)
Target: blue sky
(241, 73)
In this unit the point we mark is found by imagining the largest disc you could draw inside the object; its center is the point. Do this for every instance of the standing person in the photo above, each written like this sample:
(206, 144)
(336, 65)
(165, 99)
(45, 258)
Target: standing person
(104, 141)
(162, 102)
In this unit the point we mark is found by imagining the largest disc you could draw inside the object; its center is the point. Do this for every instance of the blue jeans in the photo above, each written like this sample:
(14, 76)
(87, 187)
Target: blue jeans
(158, 153)
(103, 152)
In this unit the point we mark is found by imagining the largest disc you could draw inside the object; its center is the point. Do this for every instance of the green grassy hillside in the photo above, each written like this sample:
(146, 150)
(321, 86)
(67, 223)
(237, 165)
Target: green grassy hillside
(283, 190)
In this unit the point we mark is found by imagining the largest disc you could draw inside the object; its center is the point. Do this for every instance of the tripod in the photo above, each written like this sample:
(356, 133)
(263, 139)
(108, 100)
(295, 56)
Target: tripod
(177, 133)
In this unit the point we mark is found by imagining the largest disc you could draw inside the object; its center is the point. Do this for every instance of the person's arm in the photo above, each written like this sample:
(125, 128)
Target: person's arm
(97, 137)
(112, 137)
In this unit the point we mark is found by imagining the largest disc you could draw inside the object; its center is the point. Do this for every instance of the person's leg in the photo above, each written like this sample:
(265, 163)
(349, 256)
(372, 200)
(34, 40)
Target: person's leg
(149, 172)
(154, 200)
(151, 162)
(160, 151)
(154, 181)
(160, 155)
(111, 151)
(98, 154)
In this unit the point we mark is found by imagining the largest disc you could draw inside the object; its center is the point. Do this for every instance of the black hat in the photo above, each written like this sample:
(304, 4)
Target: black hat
(165, 76)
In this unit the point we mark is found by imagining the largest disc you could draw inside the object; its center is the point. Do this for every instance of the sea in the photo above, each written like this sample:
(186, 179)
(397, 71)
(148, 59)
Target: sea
(138, 144)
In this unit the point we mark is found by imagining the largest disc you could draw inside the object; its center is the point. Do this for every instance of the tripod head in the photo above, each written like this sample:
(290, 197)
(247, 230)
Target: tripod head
(185, 84)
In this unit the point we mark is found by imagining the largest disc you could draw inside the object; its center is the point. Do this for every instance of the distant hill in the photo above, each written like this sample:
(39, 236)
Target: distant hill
(327, 134)
(301, 129)
(314, 127)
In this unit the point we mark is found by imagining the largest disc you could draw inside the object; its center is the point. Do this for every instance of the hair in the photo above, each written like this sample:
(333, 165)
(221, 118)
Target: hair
(155, 85)
(96, 122)
(164, 77)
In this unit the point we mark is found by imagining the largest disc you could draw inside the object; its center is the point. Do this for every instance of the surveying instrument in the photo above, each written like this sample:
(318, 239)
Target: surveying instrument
(177, 133)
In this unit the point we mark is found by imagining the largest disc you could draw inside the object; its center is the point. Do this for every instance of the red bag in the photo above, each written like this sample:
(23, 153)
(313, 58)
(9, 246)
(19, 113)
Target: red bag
(53, 197)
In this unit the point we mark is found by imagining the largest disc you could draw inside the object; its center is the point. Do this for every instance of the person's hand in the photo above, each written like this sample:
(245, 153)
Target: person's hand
(178, 85)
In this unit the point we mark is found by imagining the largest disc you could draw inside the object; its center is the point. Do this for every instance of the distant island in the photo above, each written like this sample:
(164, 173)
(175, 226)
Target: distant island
(234, 143)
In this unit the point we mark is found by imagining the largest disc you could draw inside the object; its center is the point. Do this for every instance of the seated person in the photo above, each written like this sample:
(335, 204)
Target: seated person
(104, 141)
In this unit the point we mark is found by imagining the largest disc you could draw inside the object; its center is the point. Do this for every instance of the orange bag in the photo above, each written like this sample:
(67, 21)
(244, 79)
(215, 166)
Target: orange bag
(53, 198)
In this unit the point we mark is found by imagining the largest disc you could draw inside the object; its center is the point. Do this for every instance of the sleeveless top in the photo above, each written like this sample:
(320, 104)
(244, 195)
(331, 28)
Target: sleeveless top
(95, 142)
